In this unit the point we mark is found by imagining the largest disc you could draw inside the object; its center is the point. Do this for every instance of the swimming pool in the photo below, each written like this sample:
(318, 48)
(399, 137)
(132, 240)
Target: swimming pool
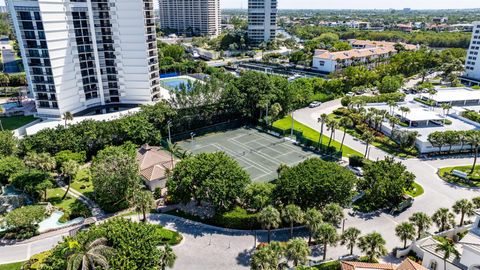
(9, 105)
(53, 223)
(176, 83)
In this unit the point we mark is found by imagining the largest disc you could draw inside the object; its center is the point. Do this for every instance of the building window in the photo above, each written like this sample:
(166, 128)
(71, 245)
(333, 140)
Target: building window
(433, 265)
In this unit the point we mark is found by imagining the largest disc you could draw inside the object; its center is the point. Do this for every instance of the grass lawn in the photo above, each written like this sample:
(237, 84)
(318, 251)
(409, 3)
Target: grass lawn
(286, 124)
(473, 181)
(54, 196)
(14, 122)
(83, 182)
(333, 265)
(416, 191)
(11, 266)
(384, 143)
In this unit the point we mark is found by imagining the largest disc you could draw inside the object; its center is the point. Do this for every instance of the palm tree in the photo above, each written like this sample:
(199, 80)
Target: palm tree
(68, 116)
(476, 202)
(405, 231)
(422, 221)
(350, 237)
(394, 121)
(448, 249)
(332, 126)
(142, 200)
(326, 235)
(333, 214)
(297, 251)
(265, 258)
(88, 256)
(463, 207)
(269, 217)
(322, 119)
(43, 161)
(391, 105)
(473, 138)
(313, 219)
(69, 169)
(345, 122)
(443, 218)
(367, 137)
(373, 245)
(431, 93)
(167, 257)
(293, 214)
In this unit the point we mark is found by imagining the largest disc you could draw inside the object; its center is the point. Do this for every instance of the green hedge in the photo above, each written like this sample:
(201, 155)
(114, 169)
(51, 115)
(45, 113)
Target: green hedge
(472, 115)
(374, 99)
(238, 218)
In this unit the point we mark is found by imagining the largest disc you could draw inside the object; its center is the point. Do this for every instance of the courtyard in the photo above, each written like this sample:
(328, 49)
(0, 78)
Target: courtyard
(260, 154)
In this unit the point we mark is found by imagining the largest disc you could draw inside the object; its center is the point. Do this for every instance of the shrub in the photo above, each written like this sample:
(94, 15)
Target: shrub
(157, 194)
(472, 115)
(374, 99)
(238, 218)
(341, 111)
(356, 161)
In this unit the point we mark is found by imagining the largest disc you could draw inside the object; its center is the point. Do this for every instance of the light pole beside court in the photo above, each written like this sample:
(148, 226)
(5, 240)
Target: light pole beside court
(169, 123)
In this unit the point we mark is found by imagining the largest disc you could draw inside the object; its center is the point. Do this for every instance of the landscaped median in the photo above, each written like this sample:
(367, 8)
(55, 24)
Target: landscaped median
(285, 124)
(473, 179)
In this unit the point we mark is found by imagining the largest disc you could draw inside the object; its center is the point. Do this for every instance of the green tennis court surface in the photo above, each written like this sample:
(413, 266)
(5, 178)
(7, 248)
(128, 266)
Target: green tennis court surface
(260, 154)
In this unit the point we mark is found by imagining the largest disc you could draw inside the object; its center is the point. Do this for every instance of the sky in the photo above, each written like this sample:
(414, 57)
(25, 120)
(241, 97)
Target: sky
(362, 4)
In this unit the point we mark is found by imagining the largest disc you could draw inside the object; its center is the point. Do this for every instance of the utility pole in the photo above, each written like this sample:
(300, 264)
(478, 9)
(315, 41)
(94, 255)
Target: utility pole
(169, 123)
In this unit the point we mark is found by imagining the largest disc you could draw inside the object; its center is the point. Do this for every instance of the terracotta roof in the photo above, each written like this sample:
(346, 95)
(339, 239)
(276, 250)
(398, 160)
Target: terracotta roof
(362, 265)
(410, 265)
(154, 162)
(355, 53)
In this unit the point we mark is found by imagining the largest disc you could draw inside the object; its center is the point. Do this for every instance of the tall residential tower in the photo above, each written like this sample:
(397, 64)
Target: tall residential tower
(191, 17)
(472, 65)
(82, 55)
(262, 20)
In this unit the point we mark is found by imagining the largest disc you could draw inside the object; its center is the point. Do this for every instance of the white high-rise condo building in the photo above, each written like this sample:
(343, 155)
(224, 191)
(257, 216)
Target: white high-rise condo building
(87, 55)
(472, 64)
(191, 17)
(262, 20)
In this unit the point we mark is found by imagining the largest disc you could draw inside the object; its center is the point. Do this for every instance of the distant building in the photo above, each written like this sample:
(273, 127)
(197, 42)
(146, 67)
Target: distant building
(440, 19)
(365, 52)
(472, 64)
(191, 17)
(262, 20)
(3, 9)
(407, 27)
(84, 56)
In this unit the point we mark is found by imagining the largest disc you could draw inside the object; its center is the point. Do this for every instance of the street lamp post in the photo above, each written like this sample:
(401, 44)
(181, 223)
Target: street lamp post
(169, 123)
(343, 225)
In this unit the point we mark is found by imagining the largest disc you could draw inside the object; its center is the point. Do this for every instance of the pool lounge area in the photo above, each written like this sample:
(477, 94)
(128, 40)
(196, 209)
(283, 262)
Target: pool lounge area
(175, 83)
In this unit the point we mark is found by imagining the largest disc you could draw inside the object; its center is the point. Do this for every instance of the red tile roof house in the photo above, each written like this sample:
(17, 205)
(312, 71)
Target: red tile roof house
(407, 264)
(155, 164)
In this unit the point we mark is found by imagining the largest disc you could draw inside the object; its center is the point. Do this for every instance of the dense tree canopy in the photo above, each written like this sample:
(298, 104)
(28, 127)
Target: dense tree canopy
(315, 182)
(215, 178)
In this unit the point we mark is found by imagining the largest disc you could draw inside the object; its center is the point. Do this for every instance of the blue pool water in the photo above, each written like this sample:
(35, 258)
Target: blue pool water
(175, 84)
(9, 105)
(53, 223)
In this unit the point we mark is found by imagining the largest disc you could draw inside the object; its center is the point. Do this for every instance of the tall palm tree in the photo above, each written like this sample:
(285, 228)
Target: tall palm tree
(322, 119)
(313, 219)
(326, 235)
(448, 249)
(476, 202)
(297, 251)
(89, 255)
(332, 126)
(473, 138)
(292, 214)
(367, 137)
(405, 231)
(345, 122)
(431, 93)
(422, 221)
(463, 207)
(333, 214)
(350, 237)
(373, 245)
(167, 258)
(68, 116)
(142, 200)
(444, 219)
(265, 258)
(391, 105)
(69, 169)
(394, 121)
(269, 217)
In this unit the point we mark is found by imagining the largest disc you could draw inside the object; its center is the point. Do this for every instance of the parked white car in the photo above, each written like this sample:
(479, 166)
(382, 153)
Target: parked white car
(315, 104)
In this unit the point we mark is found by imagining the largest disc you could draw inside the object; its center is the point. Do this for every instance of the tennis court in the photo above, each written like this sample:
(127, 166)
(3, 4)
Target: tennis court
(260, 154)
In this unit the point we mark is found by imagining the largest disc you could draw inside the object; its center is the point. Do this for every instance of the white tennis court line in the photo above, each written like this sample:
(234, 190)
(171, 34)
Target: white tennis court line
(256, 152)
(253, 163)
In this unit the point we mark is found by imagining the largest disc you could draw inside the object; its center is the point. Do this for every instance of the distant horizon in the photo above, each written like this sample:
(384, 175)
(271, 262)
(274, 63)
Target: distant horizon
(361, 5)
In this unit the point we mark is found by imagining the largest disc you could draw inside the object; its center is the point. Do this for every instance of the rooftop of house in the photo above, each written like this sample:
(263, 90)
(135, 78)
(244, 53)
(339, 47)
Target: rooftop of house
(154, 162)
(407, 264)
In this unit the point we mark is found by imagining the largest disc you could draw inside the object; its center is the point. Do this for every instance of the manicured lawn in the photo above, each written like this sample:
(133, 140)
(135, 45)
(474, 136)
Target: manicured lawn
(333, 265)
(14, 122)
(286, 124)
(416, 191)
(83, 182)
(11, 266)
(383, 143)
(473, 181)
(54, 196)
